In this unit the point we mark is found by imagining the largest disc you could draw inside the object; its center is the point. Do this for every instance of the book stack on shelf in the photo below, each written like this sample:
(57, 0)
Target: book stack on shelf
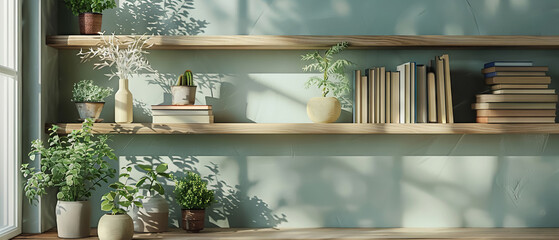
(182, 114)
(520, 94)
(411, 94)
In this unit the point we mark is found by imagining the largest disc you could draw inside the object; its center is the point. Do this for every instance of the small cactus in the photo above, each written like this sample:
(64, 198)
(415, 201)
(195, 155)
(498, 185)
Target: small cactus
(186, 79)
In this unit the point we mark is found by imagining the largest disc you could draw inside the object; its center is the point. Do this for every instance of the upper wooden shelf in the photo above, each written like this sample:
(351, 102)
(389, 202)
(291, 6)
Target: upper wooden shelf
(275, 42)
(313, 128)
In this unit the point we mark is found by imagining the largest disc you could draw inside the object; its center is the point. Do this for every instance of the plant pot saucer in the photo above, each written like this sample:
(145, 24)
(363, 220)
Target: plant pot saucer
(97, 120)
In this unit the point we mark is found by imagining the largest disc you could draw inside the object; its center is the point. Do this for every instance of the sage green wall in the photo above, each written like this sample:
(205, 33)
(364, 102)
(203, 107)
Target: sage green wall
(333, 181)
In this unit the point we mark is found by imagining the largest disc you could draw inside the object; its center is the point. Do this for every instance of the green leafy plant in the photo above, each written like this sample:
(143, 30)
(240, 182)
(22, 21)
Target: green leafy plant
(122, 196)
(330, 69)
(149, 181)
(86, 91)
(89, 6)
(75, 164)
(191, 192)
(186, 79)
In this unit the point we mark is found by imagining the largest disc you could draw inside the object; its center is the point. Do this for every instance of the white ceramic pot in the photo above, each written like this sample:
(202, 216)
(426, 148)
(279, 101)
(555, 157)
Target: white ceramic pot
(183, 95)
(153, 217)
(72, 219)
(124, 103)
(115, 227)
(324, 109)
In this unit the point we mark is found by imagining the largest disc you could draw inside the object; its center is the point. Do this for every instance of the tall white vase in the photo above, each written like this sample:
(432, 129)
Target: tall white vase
(123, 103)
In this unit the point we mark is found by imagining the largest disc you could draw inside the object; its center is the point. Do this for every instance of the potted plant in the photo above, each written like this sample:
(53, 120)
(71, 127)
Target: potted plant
(327, 109)
(194, 197)
(117, 224)
(184, 93)
(127, 60)
(154, 215)
(89, 13)
(75, 165)
(88, 98)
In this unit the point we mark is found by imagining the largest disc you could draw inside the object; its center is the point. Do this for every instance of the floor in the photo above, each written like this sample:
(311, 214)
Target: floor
(341, 234)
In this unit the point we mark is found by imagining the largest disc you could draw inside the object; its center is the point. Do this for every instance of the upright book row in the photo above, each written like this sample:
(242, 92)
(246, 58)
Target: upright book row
(411, 94)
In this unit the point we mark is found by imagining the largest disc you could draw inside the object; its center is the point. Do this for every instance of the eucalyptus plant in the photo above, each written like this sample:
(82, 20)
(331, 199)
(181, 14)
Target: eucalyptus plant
(149, 181)
(331, 70)
(192, 193)
(89, 6)
(75, 164)
(86, 91)
(123, 195)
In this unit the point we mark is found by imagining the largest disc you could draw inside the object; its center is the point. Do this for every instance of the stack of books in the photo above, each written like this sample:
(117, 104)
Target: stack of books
(414, 93)
(520, 94)
(182, 114)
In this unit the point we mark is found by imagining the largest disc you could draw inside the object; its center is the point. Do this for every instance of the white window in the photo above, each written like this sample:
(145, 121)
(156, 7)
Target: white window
(10, 128)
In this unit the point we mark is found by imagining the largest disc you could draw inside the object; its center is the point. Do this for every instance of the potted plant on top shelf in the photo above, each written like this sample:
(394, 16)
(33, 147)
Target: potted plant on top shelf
(184, 93)
(194, 197)
(89, 13)
(89, 99)
(154, 215)
(75, 165)
(333, 80)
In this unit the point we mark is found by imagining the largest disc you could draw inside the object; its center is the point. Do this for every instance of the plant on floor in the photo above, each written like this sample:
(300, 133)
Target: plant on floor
(186, 79)
(154, 215)
(192, 193)
(149, 181)
(75, 164)
(331, 70)
(123, 195)
(86, 91)
(89, 6)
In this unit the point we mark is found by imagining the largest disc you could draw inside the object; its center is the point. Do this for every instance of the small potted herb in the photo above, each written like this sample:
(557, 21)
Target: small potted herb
(89, 13)
(117, 224)
(194, 197)
(184, 93)
(154, 215)
(89, 99)
(333, 80)
(75, 165)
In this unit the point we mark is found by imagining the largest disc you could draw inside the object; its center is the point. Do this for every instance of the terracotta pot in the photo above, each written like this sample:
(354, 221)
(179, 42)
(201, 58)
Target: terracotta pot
(324, 109)
(153, 217)
(193, 220)
(90, 23)
(183, 95)
(89, 109)
(115, 227)
(72, 219)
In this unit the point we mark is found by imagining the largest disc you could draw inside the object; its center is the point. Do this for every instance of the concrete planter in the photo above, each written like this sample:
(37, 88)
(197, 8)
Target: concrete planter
(193, 220)
(89, 109)
(90, 23)
(324, 109)
(153, 217)
(72, 219)
(115, 227)
(183, 95)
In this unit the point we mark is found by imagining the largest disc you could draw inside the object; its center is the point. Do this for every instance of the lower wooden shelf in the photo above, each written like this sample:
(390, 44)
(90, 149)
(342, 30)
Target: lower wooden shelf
(313, 128)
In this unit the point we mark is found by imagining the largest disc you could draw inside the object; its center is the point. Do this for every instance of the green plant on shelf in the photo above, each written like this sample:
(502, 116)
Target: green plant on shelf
(192, 193)
(86, 91)
(89, 6)
(333, 79)
(186, 79)
(123, 195)
(150, 182)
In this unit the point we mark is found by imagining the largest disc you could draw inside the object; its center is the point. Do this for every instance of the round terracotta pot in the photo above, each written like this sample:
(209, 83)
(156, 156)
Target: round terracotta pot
(90, 23)
(324, 109)
(153, 216)
(193, 220)
(72, 219)
(115, 227)
(183, 95)
(89, 109)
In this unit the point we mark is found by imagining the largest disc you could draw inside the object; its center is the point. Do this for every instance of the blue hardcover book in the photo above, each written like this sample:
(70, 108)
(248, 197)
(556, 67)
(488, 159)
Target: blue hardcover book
(491, 74)
(509, 64)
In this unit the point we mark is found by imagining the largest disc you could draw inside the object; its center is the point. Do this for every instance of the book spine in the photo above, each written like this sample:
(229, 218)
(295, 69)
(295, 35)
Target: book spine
(421, 94)
(357, 96)
(448, 89)
(439, 75)
(388, 90)
(431, 97)
(395, 101)
(402, 93)
(382, 95)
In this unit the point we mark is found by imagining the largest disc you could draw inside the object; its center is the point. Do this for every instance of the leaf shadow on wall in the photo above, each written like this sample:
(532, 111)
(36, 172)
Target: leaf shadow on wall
(159, 17)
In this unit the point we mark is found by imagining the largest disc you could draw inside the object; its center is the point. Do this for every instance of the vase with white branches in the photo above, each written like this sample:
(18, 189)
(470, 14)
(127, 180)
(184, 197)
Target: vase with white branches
(126, 56)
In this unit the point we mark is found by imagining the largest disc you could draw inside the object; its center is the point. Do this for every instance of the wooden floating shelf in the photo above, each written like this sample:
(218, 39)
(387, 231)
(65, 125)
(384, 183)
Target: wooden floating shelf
(293, 42)
(313, 128)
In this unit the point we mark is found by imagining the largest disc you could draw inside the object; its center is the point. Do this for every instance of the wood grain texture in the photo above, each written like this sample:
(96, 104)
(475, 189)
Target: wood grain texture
(339, 233)
(313, 128)
(276, 42)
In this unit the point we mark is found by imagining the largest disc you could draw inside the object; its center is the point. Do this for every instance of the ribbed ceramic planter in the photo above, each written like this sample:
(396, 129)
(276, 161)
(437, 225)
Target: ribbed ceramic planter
(115, 227)
(89, 109)
(72, 219)
(324, 109)
(90, 23)
(153, 217)
(183, 95)
(193, 220)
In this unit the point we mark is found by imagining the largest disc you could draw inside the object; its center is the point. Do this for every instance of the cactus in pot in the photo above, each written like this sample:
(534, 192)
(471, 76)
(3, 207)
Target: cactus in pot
(184, 93)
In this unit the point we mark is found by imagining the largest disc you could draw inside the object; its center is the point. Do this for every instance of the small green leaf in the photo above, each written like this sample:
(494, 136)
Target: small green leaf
(144, 167)
(161, 168)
